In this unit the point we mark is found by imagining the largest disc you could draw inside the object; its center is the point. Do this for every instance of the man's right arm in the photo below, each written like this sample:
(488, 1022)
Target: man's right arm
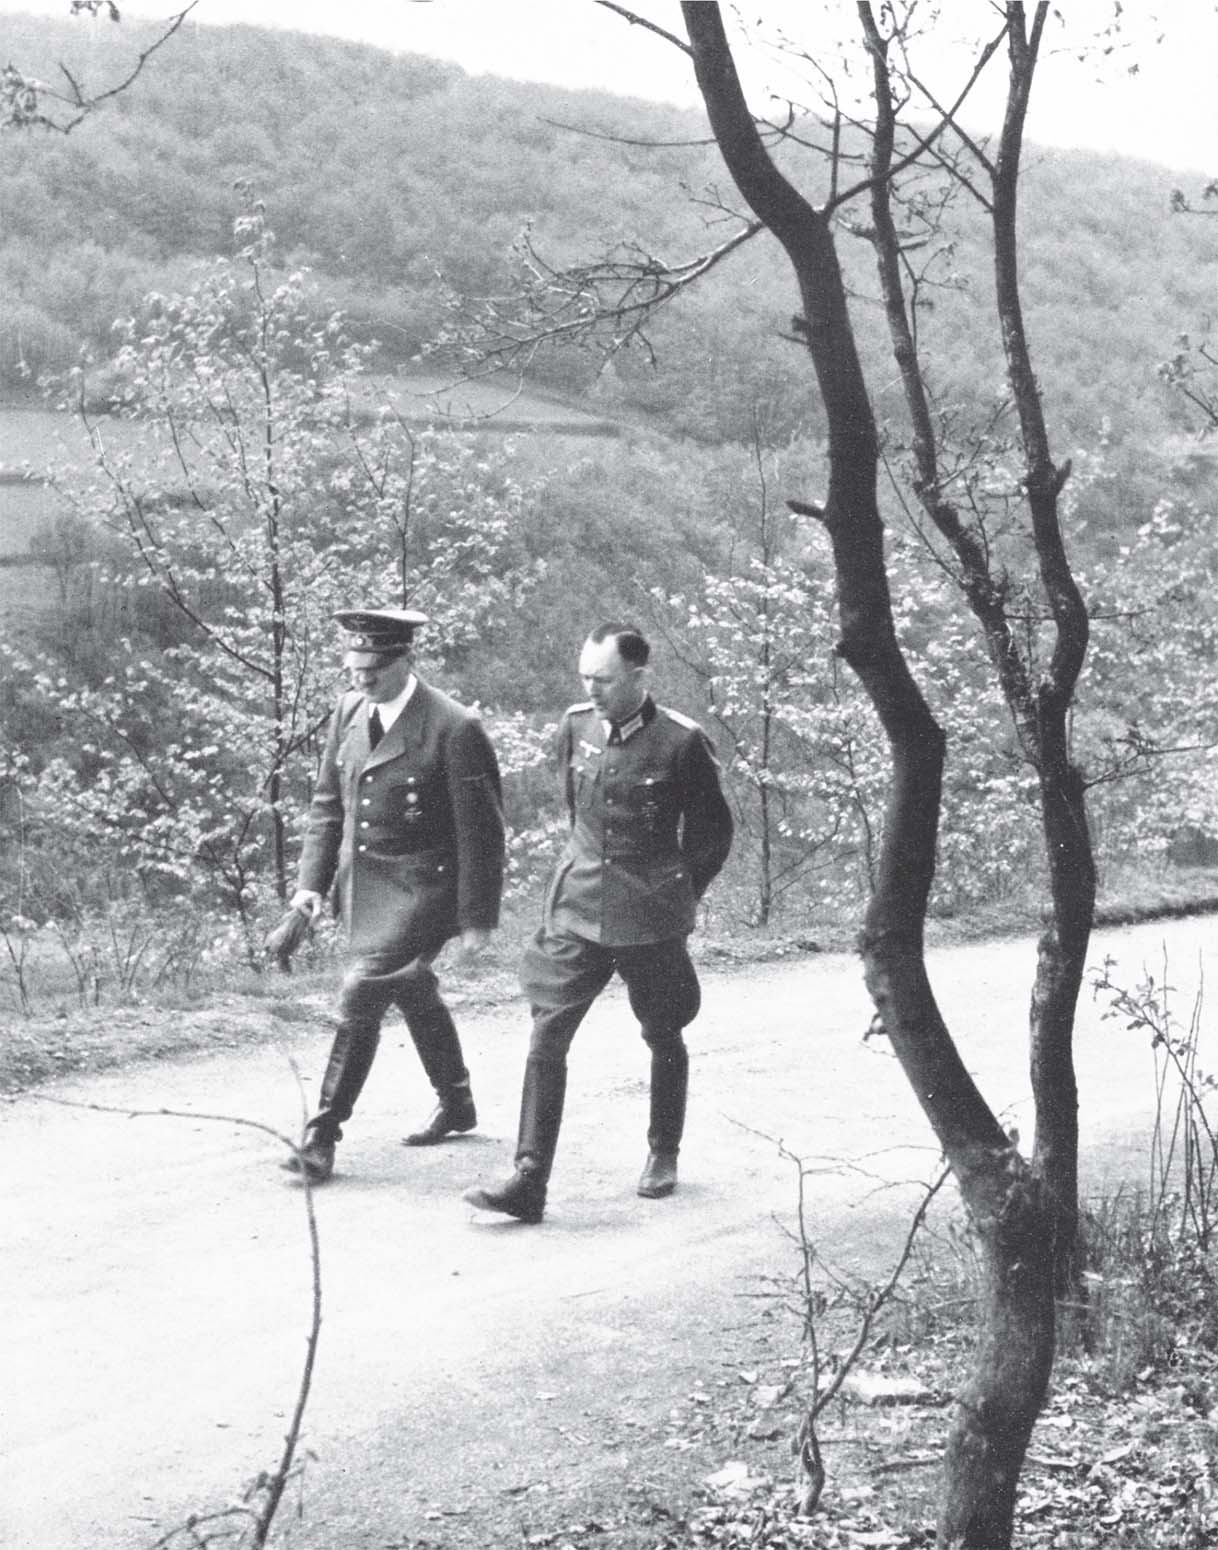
(324, 825)
(562, 766)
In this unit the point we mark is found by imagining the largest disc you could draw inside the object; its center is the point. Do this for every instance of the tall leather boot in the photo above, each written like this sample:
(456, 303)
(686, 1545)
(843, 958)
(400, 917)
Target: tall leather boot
(439, 1050)
(541, 1103)
(669, 1089)
(351, 1057)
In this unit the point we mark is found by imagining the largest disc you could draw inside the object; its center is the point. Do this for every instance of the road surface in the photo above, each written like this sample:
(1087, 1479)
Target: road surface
(155, 1280)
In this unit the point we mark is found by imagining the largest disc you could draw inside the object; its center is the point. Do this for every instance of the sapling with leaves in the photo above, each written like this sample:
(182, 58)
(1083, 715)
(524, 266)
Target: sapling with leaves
(1149, 729)
(263, 490)
(1191, 371)
(864, 1305)
(800, 759)
(1183, 1184)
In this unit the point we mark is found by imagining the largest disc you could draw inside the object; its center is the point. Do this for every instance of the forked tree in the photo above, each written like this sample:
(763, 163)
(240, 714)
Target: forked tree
(1016, 1207)
(986, 506)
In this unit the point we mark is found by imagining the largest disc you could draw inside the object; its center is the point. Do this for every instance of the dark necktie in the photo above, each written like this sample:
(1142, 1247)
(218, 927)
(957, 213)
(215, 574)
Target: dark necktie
(375, 730)
(615, 734)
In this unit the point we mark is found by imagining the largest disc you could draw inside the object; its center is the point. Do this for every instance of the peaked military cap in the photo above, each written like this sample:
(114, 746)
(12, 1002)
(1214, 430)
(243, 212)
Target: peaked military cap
(379, 629)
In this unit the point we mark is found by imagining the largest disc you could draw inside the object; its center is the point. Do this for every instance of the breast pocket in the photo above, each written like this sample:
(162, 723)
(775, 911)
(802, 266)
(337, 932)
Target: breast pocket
(653, 806)
(348, 778)
(585, 775)
(407, 800)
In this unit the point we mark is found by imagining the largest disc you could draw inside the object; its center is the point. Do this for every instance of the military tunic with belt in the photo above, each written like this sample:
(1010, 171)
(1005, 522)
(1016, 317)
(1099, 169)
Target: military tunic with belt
(650, 830)
(410, 836)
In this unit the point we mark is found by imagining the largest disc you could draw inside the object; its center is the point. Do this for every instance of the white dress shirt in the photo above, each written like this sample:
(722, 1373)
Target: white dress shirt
(390, 710)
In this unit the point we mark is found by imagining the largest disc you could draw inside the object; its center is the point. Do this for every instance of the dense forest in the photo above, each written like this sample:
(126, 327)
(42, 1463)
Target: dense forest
(349, 206)
(394, 177)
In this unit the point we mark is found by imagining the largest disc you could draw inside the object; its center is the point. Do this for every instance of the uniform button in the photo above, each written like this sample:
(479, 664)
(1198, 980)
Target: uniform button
(364, 824)
(362, 848)
(440, 868)
(367, 801)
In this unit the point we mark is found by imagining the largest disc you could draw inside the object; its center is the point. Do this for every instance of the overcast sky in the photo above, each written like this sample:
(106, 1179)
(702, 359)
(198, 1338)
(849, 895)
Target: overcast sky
(1167, 111)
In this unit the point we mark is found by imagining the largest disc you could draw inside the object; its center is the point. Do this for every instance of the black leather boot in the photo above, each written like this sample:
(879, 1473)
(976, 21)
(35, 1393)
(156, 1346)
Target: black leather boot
(315, 1156)
(541, 1103)
(455, 1113)
(669, 1089)
(439, 1050)
(351, 1057)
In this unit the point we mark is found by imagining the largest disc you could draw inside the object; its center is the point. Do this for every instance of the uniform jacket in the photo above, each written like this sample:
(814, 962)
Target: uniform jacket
(410, 834)
(650, 828)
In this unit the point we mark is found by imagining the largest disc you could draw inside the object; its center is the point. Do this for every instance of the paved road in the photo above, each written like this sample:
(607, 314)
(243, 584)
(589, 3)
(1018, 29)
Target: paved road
(154, 1275)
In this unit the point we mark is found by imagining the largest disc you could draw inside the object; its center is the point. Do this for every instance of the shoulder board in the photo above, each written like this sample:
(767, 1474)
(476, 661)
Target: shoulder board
(687, 722)
(575, 710)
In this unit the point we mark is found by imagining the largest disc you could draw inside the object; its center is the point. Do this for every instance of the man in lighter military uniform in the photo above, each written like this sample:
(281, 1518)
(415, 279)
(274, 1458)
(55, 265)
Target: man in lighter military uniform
(650, 830)
(406, 822)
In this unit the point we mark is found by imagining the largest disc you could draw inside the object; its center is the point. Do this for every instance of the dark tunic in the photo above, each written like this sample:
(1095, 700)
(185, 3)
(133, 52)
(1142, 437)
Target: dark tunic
(410, 834)
(650, 828)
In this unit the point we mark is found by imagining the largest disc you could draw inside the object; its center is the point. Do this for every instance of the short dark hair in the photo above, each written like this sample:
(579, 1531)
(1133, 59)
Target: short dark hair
(631, 645)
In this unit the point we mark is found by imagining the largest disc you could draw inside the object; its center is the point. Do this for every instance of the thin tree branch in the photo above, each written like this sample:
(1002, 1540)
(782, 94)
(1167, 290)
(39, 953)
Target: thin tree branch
(32, 92)
(641, 21)
(616, 139)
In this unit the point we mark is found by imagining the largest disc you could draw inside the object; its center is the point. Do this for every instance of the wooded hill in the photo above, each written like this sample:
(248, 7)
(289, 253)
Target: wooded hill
(383, 172)
(154, 577)
(400, 183)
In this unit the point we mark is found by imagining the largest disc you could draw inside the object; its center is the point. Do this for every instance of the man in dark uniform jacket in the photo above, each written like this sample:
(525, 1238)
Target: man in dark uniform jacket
(650, 829)
(406, 823)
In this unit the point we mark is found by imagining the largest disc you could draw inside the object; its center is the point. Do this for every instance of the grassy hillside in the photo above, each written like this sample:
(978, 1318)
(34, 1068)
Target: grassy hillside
(383, 172)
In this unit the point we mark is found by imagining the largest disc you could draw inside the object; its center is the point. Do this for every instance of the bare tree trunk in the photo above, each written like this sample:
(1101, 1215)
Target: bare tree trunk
(1063, 946)
(1001, 1400)
(1060, 962)
(1005, 1205)
(1039, 711)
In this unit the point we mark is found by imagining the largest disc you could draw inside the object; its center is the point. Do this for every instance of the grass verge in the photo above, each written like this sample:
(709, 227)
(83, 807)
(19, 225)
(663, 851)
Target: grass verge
(63, 1037)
